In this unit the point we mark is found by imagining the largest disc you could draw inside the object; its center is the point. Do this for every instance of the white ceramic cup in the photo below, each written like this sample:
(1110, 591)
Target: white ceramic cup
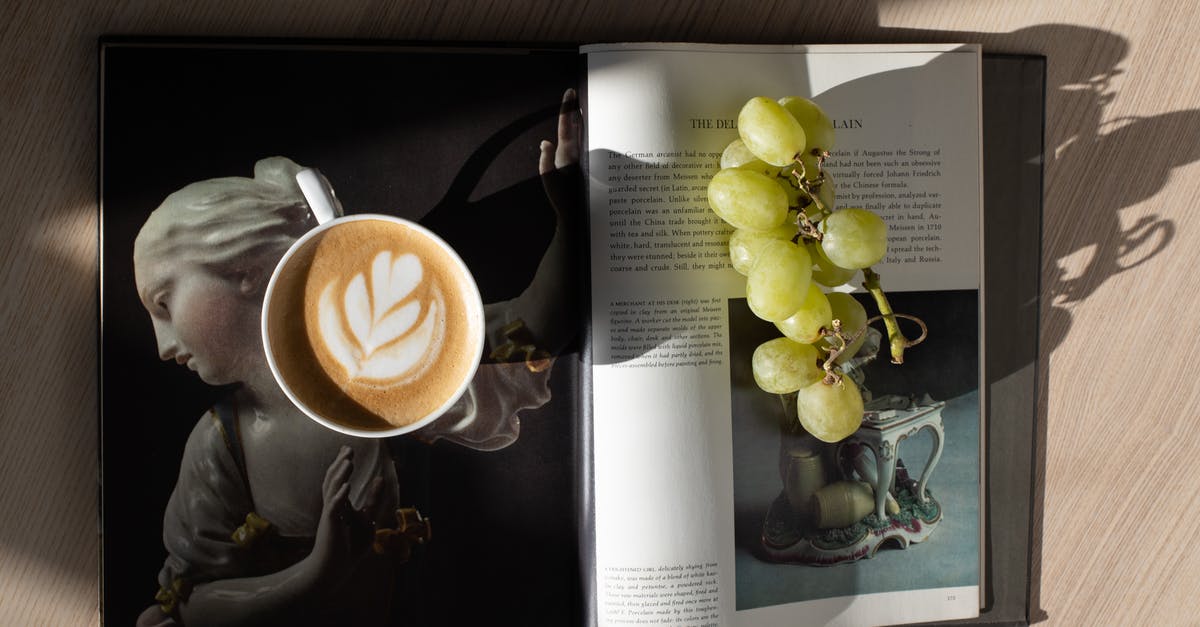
(324, 206)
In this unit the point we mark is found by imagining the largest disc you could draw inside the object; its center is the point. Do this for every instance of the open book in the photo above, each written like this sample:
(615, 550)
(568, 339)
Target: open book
(643, 478)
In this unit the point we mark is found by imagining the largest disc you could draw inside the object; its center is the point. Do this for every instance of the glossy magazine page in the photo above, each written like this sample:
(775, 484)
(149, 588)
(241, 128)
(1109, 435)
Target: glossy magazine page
(748, 518)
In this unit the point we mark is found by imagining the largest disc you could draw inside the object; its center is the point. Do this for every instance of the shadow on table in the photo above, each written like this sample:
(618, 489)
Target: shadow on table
(1094, 168)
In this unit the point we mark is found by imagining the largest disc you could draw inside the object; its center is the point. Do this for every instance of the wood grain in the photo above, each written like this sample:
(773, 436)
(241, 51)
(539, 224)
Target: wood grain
(1118, 342)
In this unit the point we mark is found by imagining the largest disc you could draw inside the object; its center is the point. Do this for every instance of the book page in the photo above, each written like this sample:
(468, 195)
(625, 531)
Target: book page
(494, 479)
(691, 458)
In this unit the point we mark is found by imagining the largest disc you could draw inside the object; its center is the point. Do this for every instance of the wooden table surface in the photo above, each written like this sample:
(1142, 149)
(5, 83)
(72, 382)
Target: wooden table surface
(1118, 346)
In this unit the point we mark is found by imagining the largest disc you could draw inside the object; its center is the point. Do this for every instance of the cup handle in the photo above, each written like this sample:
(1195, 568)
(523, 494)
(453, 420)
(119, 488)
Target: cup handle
(319, 194)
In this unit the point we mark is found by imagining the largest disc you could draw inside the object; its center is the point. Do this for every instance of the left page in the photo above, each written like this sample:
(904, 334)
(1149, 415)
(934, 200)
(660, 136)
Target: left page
(194, 440)
(701, 478)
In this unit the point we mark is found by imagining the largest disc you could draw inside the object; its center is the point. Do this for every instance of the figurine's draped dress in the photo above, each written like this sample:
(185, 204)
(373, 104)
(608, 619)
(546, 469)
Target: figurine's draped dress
(206, 515)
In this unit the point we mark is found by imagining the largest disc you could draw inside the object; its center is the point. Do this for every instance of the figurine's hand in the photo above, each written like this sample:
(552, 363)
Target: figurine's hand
(566, 152)
(344, 534)
(546, 310)
(559, 178)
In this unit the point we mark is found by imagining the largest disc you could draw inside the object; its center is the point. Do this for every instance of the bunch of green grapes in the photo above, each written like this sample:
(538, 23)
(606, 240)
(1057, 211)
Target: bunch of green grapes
(792, 242)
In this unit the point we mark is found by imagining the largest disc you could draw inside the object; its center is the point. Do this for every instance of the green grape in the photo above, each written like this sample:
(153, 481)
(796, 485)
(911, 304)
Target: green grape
(804, 326)
(744, 244)
(795, 197)
(827, 193)
(781, 366)
(747, 199)
(825, 271)
(818, 128)
(854, 238)
(770, 132)
(812, 167)
(827, 196)
(778, 281)
(736, 155)
(788, 170)
(853, 316)
(831, 412)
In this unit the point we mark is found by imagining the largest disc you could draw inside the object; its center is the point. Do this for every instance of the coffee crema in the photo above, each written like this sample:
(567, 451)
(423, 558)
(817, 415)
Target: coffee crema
(372, 324)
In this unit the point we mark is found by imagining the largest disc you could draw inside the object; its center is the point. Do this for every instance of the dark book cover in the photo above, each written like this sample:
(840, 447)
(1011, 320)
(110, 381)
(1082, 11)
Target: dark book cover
(449, 136)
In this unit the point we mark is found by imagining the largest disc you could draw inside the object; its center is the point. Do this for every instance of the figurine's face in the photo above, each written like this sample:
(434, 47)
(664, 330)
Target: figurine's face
(206, 322)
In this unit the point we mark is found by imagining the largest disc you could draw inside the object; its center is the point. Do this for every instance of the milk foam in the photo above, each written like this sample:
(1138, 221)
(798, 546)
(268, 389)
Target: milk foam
(395, 330)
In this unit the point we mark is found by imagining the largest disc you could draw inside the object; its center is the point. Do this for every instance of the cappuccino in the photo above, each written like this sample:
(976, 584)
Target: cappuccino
(373, 324)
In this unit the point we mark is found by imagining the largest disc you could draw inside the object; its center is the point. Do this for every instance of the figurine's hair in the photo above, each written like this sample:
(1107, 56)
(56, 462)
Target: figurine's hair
(230, 224)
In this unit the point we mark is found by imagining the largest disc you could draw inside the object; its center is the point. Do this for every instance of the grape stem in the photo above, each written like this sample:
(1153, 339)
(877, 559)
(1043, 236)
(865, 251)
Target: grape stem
(807, 228)
(813, 186)
(832, 376)
(896, 340)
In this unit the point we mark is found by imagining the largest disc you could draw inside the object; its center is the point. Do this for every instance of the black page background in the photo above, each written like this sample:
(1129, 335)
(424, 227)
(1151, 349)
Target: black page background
(391, 131)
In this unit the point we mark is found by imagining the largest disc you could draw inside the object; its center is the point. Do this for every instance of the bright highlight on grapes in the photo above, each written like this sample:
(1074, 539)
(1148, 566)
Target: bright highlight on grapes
(770, 132)
(790, 239)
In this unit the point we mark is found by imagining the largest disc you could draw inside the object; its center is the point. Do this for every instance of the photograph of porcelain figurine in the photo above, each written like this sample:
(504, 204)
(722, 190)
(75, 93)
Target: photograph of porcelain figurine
(892, 507)
(274, 518)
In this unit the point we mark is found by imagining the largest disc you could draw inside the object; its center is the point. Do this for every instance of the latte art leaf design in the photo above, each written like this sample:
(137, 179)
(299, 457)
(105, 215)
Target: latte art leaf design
(383, 330)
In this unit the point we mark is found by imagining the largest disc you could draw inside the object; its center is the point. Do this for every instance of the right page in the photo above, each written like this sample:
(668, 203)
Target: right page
(712, 505)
